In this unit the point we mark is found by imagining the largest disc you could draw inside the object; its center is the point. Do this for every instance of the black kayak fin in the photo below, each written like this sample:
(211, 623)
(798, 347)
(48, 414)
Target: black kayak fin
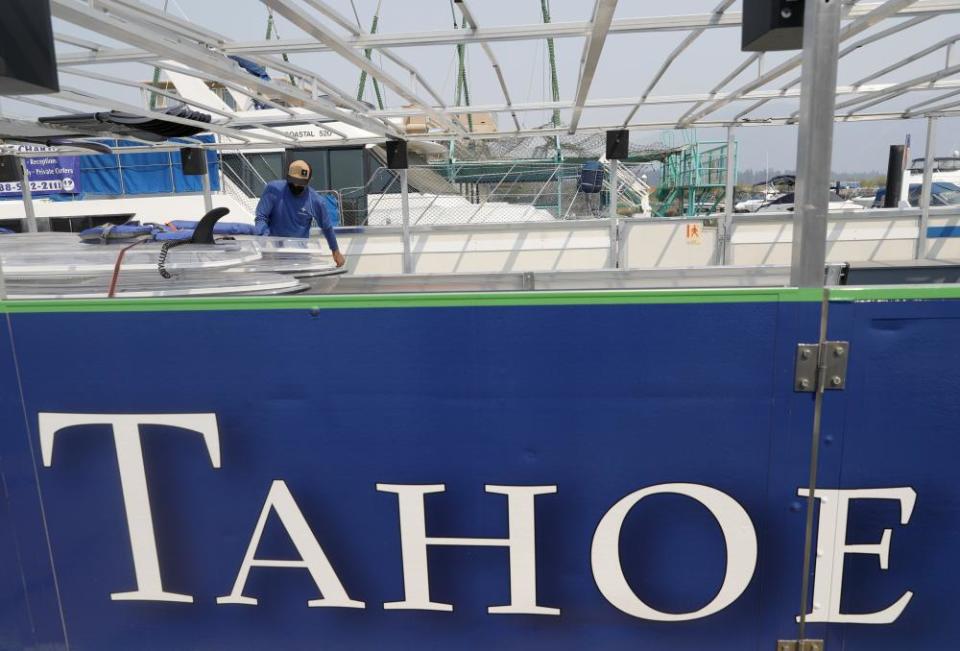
(203, 233)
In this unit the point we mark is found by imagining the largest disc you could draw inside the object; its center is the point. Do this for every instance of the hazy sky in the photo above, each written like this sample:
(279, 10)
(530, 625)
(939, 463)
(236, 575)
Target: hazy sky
(626, 67)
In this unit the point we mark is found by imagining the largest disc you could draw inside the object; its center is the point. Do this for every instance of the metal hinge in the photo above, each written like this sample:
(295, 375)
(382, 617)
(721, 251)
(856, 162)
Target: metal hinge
(794, 645)
(821, 366)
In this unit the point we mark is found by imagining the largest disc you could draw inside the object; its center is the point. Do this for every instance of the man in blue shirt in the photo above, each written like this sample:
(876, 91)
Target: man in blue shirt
(288, 208)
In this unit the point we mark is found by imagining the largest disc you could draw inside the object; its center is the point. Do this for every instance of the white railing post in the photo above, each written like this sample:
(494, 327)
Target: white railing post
(614, 261)
(205, 179)
(821, 39)
(926, 190)
(725, 225)
(405, 210)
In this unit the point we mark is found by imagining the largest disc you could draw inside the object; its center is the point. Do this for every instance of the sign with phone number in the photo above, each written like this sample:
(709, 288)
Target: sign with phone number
(48, 175)
(39, 187)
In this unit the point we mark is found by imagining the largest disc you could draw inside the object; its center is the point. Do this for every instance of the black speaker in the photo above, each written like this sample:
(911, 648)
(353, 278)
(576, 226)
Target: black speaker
(618, 144)
(397, 154)
(770, 25)
(194, 161)
(28, 63)
(9, 169)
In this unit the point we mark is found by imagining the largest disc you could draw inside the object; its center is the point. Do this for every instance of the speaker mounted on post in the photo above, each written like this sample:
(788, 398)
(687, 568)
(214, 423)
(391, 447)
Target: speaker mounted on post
(397, 154)
(194, 161)
(618, 144)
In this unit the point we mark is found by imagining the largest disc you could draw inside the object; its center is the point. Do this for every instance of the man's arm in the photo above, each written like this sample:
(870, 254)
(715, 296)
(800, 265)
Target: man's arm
(327, 227)
(264, 208)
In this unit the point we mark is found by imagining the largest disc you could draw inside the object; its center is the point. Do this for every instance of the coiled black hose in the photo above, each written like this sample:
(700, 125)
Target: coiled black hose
(162, 258)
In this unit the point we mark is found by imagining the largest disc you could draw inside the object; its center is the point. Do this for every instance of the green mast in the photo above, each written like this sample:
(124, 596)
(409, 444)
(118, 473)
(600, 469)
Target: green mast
(463, 90)
(368, 53)
(270, 32)
(554, 84)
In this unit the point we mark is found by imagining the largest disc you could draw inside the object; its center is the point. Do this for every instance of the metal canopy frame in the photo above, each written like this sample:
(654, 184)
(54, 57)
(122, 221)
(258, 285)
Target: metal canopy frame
(154, 38)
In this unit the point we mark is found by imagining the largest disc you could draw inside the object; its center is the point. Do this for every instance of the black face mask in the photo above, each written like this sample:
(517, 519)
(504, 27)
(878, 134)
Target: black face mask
(295, 189)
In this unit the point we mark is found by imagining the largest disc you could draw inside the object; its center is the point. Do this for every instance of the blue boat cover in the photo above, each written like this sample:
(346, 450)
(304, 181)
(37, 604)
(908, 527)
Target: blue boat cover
(172, 236)
(220, 228)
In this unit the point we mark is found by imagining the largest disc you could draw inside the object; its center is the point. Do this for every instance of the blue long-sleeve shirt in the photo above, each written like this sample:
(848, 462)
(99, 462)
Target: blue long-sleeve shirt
(284, 214)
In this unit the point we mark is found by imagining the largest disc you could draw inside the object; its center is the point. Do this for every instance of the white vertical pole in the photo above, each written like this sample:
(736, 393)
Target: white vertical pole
(925, 191)
(725, 225)
(27, 197)
(821, 44)
(614, 261)
(205, 179)
(821, 39)
(405, 210)
(220, 169)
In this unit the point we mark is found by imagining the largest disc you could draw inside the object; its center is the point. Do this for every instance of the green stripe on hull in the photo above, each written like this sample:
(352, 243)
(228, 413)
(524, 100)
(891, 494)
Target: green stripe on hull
(486, 299)
(465, 299)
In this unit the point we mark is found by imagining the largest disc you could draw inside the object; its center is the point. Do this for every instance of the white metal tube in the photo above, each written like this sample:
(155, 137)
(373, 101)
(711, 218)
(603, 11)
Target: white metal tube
(853, 47)
(863, 23)
(603, 12)
(532, 32)
(205, 179)
(405, 211)
(292, 12)
(821, 41)
(472, 22)
(726, 222)
(194, 56)
(614, 261)
(925, 191)
(31, 216)
(344, 22)
(674, 55)
(763, 95)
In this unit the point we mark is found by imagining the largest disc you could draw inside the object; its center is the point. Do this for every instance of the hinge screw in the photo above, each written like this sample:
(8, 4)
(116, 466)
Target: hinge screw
(836, 381)
(838, 352)
(805, 354)
(804, 383)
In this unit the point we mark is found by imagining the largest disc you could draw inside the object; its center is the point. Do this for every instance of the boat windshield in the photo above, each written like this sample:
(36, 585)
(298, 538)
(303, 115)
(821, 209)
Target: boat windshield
(942, 193)
(947, 194)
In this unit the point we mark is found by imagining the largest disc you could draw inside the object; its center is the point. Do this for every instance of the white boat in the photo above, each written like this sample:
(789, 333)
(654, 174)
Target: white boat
(784, 203)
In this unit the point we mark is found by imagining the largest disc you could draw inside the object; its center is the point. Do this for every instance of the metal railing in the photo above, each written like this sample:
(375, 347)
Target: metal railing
(487, 192)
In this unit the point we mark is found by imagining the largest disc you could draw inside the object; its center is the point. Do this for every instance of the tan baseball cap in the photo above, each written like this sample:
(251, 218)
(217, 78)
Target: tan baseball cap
(299, 173)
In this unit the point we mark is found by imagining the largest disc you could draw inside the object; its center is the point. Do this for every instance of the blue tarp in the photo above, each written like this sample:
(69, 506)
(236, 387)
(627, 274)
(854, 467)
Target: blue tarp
(158, 173)
(252, 67)
(182, 229)
(333, 208)
(256, 70)
(137, 174)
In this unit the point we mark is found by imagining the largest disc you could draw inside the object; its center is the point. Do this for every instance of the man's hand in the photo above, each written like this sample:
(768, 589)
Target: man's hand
(339, 259)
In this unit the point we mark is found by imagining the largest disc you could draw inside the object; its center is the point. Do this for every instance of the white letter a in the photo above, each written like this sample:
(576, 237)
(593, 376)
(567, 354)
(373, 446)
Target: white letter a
(312, 557)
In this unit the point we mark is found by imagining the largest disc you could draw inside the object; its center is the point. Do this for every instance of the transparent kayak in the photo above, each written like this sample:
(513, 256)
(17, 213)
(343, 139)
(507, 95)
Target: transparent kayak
(295, 268)
(149, 284)
(289, 247)
(53, 255)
